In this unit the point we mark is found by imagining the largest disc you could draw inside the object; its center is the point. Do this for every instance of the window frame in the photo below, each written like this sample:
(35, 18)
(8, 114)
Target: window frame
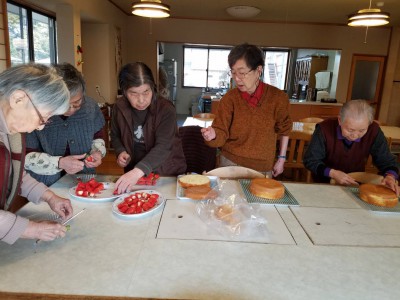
(52, 31)
(288, 61)
(209, 48)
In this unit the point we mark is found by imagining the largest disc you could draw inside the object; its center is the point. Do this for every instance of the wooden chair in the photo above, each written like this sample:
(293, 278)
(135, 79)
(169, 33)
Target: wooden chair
(199, 156)
(298, 142)
(311, 120)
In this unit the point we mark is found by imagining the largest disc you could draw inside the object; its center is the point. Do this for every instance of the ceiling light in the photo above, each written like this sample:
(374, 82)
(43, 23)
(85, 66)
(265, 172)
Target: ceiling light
(243, 11)
(369, 17)
(150, 9)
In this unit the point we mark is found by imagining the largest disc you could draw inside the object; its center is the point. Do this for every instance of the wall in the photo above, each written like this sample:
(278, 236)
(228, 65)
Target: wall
(347, 39)
(92, 33)
(98, 20)
(390, 104)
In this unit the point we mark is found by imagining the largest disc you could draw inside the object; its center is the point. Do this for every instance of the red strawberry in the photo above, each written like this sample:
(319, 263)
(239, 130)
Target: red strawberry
(123, 208)
(130, 210)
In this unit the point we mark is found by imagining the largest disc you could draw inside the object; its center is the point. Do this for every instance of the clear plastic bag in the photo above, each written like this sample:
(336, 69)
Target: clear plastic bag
(231, 215)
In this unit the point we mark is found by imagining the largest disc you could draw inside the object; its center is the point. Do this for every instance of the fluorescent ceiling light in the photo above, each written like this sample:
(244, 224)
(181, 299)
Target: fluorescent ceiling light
(150, 9)
(369, 17)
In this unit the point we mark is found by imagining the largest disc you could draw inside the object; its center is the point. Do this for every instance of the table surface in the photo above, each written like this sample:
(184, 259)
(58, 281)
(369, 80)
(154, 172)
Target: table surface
(328, 247)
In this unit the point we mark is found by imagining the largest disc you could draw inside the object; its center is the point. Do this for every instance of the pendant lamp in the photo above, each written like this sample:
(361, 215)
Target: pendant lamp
(369, 17)
(150, 9)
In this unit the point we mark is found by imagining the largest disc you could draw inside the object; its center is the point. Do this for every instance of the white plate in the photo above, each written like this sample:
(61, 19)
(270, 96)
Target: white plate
(115, 210)
(105, 195)
(180, 191)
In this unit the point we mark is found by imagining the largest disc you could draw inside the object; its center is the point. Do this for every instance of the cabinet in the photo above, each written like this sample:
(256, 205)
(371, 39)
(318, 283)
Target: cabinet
(304, 74)
(300, 111)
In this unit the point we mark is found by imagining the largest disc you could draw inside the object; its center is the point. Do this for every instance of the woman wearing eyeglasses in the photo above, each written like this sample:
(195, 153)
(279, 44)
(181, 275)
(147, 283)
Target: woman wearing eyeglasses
(143, 129)
(63, 145)
(29, 96)
(250, 116)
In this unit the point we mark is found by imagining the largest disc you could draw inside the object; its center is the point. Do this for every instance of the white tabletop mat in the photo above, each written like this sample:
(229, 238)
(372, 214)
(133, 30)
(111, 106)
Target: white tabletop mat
(348, 227)
(180, 221)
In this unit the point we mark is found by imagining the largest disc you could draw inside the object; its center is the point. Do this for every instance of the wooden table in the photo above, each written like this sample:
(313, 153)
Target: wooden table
(329, 247)
(390, 131)
(191, 121)
(393, 132)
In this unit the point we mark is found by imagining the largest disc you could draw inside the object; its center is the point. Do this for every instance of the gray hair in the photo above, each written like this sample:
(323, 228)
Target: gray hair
(357, 109)
(72, 77)
(44, 86)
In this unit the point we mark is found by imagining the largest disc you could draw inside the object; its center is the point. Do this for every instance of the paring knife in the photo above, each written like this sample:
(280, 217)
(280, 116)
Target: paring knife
(67, 221)
(73, 217)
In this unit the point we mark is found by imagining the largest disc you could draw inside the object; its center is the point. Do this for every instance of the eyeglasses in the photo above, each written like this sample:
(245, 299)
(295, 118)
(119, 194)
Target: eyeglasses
(240, 75)
(41, 119)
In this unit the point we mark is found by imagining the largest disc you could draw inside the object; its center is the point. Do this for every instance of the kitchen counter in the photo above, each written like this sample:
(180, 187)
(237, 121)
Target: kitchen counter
(301, 102)
(337, 250)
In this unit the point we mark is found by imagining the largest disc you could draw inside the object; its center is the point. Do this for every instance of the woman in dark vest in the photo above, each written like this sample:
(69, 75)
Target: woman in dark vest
(61, 146)
(144, 133)
(343, 145)
(29, 96)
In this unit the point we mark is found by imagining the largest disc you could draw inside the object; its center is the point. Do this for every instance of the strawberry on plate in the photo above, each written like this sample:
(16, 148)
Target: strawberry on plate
(137, 204)
(150, 179)
(93, 191)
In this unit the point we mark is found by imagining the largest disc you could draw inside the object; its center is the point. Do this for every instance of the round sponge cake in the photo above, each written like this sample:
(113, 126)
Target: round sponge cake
(267, 188)
(199, 192)
(378, 194)
(194, 180)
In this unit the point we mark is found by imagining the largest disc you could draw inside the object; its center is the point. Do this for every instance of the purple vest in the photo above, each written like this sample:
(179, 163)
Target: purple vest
(339, 156)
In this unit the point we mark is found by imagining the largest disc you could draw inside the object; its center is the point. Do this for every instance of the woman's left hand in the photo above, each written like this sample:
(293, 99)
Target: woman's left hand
(59, 205)
(278, 167)
(94, 160)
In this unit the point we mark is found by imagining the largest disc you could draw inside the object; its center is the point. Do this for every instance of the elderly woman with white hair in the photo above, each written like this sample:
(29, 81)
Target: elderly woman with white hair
(343, 145)
(29, 96)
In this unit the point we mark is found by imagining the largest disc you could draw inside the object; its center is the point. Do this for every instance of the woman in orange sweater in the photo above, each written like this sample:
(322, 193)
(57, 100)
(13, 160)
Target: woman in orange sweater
(250, 117)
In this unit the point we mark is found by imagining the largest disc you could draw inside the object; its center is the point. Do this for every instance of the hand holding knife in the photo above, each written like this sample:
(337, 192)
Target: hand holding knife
(67, 221)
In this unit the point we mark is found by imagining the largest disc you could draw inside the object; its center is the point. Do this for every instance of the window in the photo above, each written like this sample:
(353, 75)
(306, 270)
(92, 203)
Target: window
(32, 35)
(276, 65)
(205, 67)
(208, 67)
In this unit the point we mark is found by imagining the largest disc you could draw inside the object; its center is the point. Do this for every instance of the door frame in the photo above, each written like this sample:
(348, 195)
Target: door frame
(375, 102)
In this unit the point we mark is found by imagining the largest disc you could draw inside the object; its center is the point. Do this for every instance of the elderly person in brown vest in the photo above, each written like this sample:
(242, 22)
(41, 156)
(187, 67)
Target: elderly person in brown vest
(29, 96)
(340, 146)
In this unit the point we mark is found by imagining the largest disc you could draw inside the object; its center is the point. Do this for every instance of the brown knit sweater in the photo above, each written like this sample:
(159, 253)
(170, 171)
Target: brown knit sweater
(247, 135)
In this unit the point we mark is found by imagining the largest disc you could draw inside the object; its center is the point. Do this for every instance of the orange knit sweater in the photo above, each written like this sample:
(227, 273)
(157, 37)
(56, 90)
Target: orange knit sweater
(247, 135)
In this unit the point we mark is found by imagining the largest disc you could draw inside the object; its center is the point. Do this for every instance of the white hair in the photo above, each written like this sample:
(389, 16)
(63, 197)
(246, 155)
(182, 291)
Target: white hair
(42, 83)
(357, 109)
